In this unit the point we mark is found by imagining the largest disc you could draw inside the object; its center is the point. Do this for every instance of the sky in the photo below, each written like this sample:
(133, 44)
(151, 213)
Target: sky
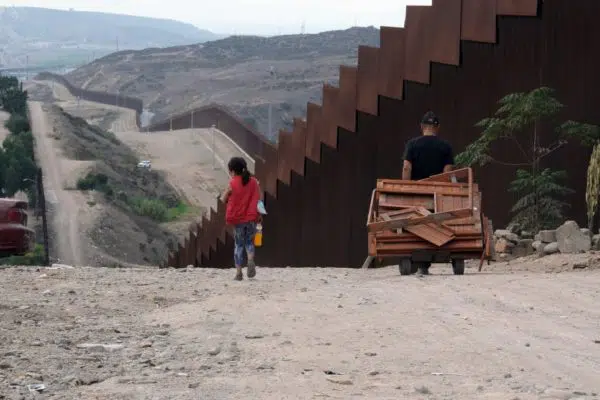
(260, 17)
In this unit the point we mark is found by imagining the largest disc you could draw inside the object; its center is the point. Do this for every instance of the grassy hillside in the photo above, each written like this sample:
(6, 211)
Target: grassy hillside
(234, 71)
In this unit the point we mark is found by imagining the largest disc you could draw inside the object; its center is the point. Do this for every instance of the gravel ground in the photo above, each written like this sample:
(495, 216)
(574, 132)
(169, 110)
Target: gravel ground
(506, 333)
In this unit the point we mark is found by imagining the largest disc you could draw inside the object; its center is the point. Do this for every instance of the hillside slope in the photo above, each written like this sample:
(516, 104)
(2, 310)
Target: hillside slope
(234, 71)
(58, 37)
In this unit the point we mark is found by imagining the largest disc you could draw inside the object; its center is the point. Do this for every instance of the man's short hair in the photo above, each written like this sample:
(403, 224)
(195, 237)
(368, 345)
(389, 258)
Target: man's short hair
(430, 119)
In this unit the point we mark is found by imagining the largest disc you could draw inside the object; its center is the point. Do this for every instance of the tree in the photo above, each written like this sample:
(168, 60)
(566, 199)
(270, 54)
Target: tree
(538, 190)
(592, 192)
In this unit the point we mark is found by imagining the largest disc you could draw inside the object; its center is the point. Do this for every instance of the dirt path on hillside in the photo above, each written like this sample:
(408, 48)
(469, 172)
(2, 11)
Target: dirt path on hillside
(66, 210)
(299, 334)
(187, 157)
(113, 118)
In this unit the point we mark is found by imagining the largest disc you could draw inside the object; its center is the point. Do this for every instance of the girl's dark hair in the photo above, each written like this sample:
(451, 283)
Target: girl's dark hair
(239, 167)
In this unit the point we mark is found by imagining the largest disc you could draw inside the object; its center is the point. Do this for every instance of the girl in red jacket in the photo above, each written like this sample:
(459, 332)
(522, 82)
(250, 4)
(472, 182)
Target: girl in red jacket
(242, 196)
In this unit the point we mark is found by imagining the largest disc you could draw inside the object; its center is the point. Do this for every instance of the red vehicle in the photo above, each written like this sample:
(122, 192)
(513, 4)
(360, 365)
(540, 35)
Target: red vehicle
(15, 237)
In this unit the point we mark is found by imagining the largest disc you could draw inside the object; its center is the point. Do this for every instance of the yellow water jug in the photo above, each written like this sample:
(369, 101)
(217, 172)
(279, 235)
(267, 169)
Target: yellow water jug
(258, 236)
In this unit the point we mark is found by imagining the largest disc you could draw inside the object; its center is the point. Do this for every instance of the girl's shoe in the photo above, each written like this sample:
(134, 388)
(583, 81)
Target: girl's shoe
(251, 269)
(239, 276)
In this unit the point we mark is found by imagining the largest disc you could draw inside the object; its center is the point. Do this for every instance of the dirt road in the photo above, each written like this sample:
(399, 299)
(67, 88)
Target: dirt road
(187, 157)
(65, 209)
(113, 118)
(299, 334)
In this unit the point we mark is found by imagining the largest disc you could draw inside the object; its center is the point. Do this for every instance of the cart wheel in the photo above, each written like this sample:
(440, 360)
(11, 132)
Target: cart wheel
(458, 266)
(406, 266)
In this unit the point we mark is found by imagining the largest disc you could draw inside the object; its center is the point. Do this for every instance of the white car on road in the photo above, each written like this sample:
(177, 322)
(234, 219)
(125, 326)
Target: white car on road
(144, 164)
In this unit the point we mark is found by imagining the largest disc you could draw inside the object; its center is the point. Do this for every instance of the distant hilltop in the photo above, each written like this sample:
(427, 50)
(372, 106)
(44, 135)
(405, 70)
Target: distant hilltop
(51, 38)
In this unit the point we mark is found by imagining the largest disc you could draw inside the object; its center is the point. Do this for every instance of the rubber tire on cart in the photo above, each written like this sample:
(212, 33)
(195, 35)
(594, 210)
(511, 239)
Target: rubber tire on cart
(458, 266)
(406, 266)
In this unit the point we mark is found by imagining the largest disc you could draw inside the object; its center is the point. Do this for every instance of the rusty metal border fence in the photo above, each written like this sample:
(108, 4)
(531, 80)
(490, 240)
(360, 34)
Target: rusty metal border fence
(42, 205)
(100, 97)
(456, 57)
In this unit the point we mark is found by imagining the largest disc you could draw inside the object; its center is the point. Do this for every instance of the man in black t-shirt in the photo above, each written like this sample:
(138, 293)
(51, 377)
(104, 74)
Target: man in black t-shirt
(427, 154)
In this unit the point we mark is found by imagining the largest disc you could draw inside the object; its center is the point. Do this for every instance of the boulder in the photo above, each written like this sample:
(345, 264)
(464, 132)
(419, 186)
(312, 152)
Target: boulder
(585, 231)
(596, 242)
(523, 248)
(547, 236)
(551, 248)
(507, 235)
(571, 240)
(503, 246)
(526, 235)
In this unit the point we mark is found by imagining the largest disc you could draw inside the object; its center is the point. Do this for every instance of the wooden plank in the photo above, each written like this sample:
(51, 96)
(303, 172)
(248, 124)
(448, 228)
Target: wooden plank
(446, 177)
(479, 21)
(432, 233)
(367, 90)
(394, 200)
(466, 245)
(402, 223)
(391, 62)
(437, 235)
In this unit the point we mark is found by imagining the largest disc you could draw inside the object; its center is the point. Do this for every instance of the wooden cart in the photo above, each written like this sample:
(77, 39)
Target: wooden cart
(434, 220)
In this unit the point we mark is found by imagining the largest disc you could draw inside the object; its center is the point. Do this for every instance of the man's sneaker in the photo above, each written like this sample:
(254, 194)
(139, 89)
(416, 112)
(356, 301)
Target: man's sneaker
(251, 269)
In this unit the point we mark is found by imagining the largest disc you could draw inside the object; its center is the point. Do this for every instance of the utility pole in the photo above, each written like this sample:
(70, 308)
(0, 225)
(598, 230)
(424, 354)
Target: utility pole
(272, 78)
(214, 157)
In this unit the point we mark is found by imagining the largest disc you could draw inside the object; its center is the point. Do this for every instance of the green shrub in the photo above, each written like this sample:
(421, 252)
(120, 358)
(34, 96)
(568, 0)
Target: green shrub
(176, 212)
(34, 257)
(97, 182)
(151, 208)
(17, 123)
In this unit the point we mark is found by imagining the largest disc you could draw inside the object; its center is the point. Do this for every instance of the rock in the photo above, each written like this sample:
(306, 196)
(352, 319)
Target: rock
(537, 244)
(503, 246)
(596, 242)
(551, 248)
(526, 235)
(340, 381)
(556, 394)
(214, 352)
(523, 248)
(61, 266)
(255, 336)
(547, 236)
(537, 238)
(571, 240)
(5, 365)
(585, 231)
(506, 234)
(100, 347)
